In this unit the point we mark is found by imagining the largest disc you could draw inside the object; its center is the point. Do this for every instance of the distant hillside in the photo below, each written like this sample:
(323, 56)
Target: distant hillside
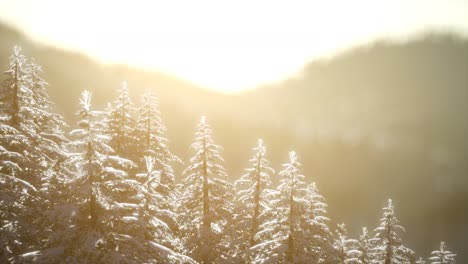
(69, 73)
(388, 119)
(378, 121)
(379, 89)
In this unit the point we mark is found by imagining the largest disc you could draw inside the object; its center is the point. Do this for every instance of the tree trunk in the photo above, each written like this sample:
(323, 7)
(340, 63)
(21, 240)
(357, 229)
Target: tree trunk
(15, 106)
(206, 225)
(290, 254)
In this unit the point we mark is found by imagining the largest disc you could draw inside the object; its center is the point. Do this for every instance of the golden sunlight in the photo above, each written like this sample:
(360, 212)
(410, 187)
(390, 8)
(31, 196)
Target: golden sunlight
(242, 131)
(226, 46)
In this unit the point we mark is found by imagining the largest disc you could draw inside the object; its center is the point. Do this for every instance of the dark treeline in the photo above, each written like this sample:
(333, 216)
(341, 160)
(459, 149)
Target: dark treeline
(107, 192)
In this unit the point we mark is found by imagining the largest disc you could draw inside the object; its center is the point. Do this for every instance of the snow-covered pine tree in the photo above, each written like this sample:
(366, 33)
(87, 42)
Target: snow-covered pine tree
(151, 223)
(252, 203)
(46, 155)
(93, 235)
(346, 248)
(49, 125)
(391, 249)
(15, 98)
(442, 256)
(26, 109)
(121, 125)
(37, 85)
(30, 134)
(291, 189)
(294, 232)
(319, 235)
(151, 133)
(25, 153)
(366, 247)
(15, 93)
(207, 200)
(44, 118)
(49, 140)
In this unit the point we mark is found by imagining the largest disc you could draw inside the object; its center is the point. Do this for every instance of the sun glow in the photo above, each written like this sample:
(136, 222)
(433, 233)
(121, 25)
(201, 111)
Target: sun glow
(223, 45)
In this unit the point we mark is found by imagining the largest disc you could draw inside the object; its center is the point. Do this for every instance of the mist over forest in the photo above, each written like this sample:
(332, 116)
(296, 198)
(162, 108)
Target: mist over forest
(388, 119)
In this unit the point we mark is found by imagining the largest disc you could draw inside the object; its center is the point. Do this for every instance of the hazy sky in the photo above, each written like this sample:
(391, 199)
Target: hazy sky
(225, 45)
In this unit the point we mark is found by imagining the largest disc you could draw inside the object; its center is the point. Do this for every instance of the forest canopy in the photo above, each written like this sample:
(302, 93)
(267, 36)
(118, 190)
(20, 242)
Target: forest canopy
(104, 190)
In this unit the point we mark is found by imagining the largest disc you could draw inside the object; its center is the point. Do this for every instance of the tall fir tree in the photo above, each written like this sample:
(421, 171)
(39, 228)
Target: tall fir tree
(346, 248)
(49, 125)
(15, 100)
(16, 95)
(291, 189)
(391, 249)
(253, 206)
(153, 142)
(320, 237)
(366, 247)
(207, 200)
(152, 223)
(29, 127)
(442, 256)
(298, 234)
(31, 139)
(94, 235)
(121, 125)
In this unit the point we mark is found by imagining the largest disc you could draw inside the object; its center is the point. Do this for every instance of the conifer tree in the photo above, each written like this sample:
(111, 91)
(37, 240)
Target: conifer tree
(15, 100)
(150, 224)
(442, 256)
(16, 95)
(253, 202)
(366, 247)
(291, 186)
(93, 236)
(345, 247)
(295, 234)
(143, 232)
(121, 125)
(49, 124)
(391, 249)
(319, 235)
(31, 134)
(151, 133)
(28, 145)
(207, 199)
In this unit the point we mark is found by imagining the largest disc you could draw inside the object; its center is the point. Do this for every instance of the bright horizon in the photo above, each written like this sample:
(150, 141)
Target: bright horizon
(229, 46)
